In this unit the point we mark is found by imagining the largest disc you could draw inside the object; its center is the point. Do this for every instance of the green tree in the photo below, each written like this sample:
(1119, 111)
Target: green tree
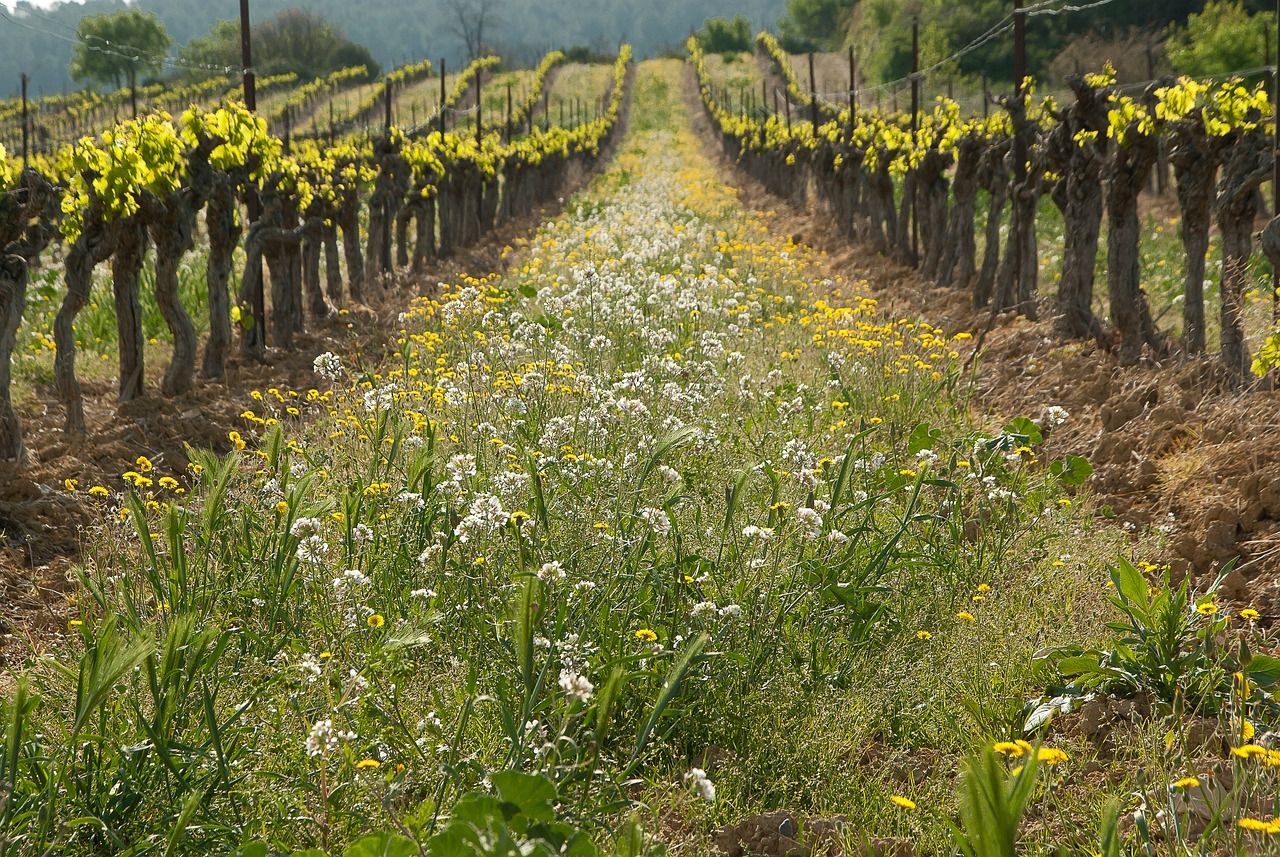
(218, 48)
(721, 35)
(115, 48)
(814, 24)
(307, 44)
(293, 40)
(1221, 39)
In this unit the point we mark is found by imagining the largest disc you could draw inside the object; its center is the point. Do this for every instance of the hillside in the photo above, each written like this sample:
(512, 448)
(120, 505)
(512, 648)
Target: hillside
(39, 41)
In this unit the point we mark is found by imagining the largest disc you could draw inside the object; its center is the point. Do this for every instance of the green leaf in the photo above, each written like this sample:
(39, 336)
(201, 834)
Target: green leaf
(528, 290)
(1026, 428)
(923, 436)
(533, 795)
(1079, 665)
(1071, 469)
(382, 845)
(1263, 670)
(1130, 583)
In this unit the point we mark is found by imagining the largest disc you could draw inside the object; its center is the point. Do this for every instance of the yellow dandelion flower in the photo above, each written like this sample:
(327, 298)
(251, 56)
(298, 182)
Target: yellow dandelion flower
(902, 802)
(645, 635)
(375, 621)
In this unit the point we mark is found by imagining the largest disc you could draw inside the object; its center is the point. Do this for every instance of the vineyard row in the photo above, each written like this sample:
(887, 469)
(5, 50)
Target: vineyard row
(910, 187)
(146, 182)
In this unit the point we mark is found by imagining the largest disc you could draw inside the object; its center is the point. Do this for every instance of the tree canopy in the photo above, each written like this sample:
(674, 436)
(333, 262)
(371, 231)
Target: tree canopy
(293, 40)
(116, 48)
(722, 35)
(1221, 39)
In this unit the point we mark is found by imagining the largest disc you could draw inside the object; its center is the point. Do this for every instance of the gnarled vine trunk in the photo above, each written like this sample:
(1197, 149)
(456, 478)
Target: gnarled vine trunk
(1127, 174)
(126, 272)
(224, 234)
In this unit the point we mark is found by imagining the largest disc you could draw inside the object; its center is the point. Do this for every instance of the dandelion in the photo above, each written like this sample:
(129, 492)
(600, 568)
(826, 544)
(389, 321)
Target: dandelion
(1248, 613)
(236, 440)
(1187, 783)
(99, 491)
(966, 616)
(70, 485)
(375, 620)
(1208, 608)
(1013, 749)
(902, 802)
(645, 635)
(924, 636)
(1051, 756)
(365, 764)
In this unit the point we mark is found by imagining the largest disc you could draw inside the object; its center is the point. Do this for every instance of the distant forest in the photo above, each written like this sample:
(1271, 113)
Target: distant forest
(396, 31)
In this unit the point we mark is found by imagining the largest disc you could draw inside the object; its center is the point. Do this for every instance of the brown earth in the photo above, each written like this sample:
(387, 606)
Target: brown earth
(1172, 445)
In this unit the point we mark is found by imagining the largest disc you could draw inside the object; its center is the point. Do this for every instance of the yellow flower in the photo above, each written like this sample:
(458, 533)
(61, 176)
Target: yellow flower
(75, 623)
(1014, 749)
(924, 635)
(144, 463)
(168, 482)
(1207, 609)
(282, 508)
(984, 588)
(70, 485)
(645, 635)
(375, 621)
(1250, 614)
(368, 763)
(1051, 756)
(236, 440)
(1187, 783)
(1259, 825)
(99, 491)
(966, 616)
(902, 802)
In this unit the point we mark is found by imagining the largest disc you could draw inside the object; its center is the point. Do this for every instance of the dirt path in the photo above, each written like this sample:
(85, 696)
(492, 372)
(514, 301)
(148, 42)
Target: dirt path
(1172, 447)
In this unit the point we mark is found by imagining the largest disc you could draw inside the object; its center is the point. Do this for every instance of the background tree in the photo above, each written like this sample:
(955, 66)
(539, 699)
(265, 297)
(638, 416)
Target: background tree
(307, 44)
(220, 47)
(472, 19)
(814, 24)
(115, 48)
(721, 35)
(1221, 39)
